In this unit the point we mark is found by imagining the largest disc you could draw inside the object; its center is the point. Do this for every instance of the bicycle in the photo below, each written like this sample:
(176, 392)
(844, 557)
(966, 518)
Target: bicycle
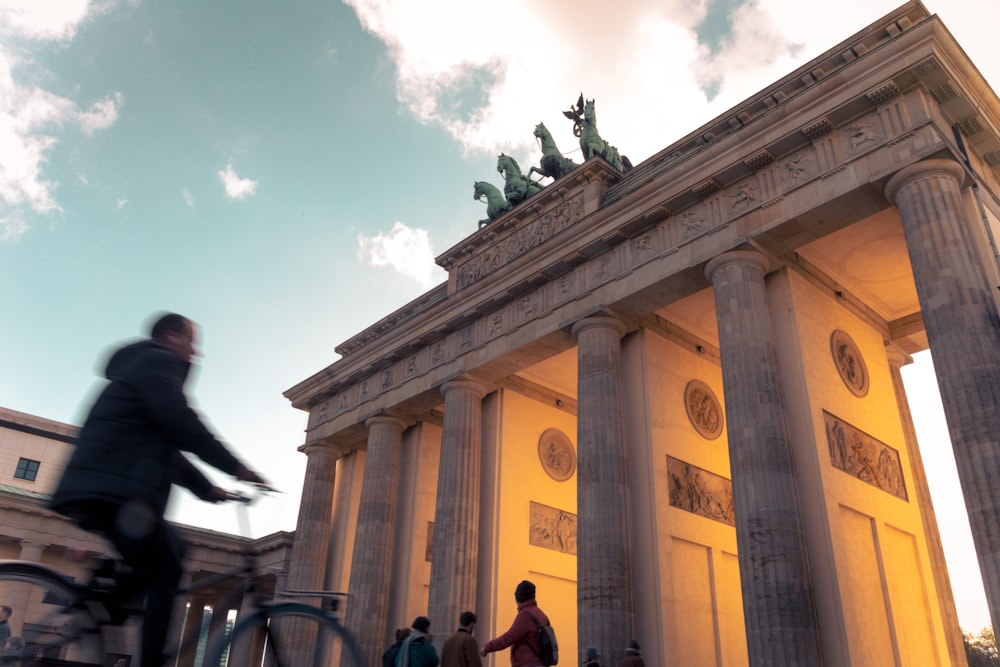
(65, 622)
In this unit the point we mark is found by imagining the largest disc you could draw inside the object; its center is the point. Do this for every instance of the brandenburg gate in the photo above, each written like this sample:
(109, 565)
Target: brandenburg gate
(670, 395)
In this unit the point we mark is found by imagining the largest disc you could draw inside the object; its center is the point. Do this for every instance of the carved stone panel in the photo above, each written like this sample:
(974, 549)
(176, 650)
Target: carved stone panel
(519, 242)
(557, 455)
(700, 492)
(862, 456)
(552, 528)
(703, 409)
(850, 364)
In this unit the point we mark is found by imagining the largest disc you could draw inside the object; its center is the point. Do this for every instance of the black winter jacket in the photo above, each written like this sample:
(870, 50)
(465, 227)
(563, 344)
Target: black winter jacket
(130, 445)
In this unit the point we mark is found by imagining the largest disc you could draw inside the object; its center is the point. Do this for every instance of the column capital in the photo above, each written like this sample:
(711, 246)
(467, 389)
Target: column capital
(388, 420)
(319, 447)
(746, 257)
(599, 321)
(466, 383)
(897, 357)
(923, 168)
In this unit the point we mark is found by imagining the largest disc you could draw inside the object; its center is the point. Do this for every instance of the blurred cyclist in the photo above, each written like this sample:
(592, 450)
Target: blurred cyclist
(127, 456)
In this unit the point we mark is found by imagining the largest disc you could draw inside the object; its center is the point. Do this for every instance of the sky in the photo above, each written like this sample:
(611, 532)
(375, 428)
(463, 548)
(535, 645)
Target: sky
(285, 173)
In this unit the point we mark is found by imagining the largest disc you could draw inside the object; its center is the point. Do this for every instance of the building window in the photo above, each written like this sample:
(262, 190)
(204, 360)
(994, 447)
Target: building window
(26, 469)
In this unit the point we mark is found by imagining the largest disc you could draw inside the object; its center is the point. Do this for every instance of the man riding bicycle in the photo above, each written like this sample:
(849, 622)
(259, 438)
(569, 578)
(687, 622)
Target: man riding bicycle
(127, 456)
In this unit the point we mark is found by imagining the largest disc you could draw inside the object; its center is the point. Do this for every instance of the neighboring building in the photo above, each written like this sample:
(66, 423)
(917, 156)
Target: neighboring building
(672, 397)
(32, 453)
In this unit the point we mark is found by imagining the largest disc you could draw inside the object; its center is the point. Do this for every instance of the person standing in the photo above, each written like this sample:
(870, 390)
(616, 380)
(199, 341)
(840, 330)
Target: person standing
(461, 649)
(633, 656)
(522, 636)
(591, 658)
(389, 657)
(5, 613)
(128, 455)
(417, 650)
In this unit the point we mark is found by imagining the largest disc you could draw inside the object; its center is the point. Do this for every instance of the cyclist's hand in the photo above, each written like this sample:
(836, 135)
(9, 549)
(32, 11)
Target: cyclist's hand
(218, 495)
(245, 474)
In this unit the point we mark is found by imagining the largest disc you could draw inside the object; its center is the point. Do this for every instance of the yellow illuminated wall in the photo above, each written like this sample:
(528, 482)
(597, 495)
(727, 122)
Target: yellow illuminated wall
(869, 558)
(688, 591)
(522, 480)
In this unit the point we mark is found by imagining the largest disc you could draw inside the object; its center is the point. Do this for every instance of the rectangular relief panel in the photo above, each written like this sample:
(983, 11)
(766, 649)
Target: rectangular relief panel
(695, 611)
(909, 599)
(700, 492)
(862, 456)
(869, 638)
(552, 528)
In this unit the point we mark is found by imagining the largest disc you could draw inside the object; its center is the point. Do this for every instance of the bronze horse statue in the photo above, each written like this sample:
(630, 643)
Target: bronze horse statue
(496, 205)
(517, 187)
(552, 164)
(584, 118)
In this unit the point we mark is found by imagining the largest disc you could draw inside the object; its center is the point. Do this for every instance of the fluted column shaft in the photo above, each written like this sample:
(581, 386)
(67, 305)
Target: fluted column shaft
(778, 599)
(939, 568)
(963, 328)
(605, 595)
(312, 531)
(371, 566)
(455, 554)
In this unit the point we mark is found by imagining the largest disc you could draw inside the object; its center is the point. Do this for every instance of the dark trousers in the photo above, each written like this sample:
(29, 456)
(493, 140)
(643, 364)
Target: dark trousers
(154, 552)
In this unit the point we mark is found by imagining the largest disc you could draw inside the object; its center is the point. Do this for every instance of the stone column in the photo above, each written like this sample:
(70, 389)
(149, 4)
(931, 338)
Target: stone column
(778, 600)
(605, 595)
(248, 651)
(946, 600)
(192, 631)
(960, 316)
(371, 566)
(307, 569)
(455, 554)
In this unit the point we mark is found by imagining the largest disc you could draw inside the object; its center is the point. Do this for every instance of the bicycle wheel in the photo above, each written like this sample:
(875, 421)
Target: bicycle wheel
(50, 615)
(287, 635)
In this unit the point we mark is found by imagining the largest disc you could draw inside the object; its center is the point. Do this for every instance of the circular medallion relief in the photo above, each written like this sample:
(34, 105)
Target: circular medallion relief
(849, 362)
(557, 455)
(703, 409)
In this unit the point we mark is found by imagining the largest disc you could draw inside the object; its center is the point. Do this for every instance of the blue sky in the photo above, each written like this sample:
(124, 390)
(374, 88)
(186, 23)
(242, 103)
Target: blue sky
(284, 174)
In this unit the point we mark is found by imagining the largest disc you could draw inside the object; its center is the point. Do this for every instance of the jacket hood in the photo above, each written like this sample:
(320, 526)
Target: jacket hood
(126, 356)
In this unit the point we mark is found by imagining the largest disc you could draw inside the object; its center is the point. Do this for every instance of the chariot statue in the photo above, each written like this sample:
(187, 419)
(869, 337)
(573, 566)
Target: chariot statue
(584, 119)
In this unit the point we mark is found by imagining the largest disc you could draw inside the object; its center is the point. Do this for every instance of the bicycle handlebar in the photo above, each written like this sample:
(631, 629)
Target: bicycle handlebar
(260, 489)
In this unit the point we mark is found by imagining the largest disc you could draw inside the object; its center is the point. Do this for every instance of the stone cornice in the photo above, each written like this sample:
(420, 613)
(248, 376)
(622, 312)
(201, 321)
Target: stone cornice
(46, 428)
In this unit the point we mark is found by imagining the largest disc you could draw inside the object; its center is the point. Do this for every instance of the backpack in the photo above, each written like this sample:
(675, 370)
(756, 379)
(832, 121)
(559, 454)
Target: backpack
(547, 641)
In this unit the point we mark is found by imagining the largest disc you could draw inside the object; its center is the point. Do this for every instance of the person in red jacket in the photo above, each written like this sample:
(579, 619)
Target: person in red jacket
(522, 636)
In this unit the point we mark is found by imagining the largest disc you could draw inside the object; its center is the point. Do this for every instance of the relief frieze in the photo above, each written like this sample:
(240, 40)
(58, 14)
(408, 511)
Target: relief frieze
(700, 492)
(799, 169)
(860, 455)
(552, 528)
(863, 134)
(518, 243)
(692, 223)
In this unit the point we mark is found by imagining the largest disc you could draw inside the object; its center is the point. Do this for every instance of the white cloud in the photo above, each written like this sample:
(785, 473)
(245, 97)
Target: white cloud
(236, 187)
(121, 202)
(11, 227)
(491, 71)
(31, 117)
(187, 197)
(407, 251)
(44, 19)
(102, 114)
